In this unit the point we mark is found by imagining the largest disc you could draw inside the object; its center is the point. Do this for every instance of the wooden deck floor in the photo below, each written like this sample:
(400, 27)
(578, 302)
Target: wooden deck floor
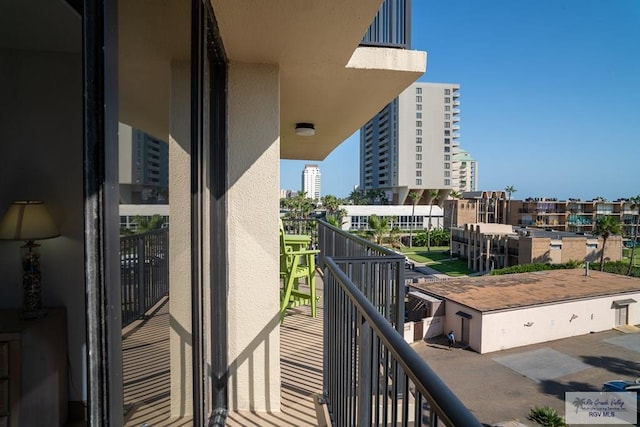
(146, 374)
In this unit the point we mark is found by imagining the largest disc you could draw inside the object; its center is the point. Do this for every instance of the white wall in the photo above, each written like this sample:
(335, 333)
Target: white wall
(41, 152)
(180, 339)
(550, 322)
(253, 248)
(431, 327)
(453, 322)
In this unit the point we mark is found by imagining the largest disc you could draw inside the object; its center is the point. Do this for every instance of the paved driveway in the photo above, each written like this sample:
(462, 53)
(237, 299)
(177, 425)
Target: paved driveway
(503, 386)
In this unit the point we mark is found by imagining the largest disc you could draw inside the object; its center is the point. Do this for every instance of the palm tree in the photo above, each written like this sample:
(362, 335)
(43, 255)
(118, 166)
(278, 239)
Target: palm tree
(509, 189)
(357, 197)
(414, 196)
(605, 227)
(378, 227)
(394, 232)
(454, 195)
(145, 224)
(433, 196)
(635, 204)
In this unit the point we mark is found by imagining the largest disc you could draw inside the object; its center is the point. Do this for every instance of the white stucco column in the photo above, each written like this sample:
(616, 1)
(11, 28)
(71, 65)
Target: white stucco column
(253, 241)
(180, 242)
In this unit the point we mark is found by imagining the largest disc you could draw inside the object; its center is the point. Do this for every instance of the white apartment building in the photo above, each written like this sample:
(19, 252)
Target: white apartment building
(465, 172)
(410, 145)
(311, 181)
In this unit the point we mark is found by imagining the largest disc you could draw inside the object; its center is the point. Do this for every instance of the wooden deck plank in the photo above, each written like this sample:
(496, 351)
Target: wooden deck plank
(146, 374)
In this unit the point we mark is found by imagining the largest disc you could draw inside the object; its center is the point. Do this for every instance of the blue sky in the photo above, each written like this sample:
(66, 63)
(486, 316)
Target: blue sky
(549, 95)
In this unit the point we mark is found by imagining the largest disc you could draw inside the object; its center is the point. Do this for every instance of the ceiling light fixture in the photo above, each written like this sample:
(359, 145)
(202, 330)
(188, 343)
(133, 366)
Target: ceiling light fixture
(305, 129)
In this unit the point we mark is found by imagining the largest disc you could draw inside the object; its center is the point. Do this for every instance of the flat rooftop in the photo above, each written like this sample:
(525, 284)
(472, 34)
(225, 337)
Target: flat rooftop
(492, 293)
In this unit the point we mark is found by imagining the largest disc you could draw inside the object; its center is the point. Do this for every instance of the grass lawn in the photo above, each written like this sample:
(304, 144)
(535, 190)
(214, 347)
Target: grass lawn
(626, 255)
(438, 259)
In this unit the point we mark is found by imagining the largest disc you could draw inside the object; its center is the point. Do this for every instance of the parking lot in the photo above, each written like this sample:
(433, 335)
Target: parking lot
(502, 386)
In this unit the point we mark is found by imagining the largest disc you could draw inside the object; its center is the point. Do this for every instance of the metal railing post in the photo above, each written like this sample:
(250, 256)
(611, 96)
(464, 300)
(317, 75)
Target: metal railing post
(364, 372)
(140, 263)
(364, 344)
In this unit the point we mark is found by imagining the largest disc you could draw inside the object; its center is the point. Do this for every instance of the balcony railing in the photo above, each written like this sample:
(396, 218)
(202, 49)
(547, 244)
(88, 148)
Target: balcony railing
(144, 272)
(391, 27)
(371, 375)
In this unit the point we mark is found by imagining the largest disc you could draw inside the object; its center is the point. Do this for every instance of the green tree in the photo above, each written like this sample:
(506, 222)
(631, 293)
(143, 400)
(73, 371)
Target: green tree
(434, 198)
(299, 207)
(145, 224)
(378, 228)
(332, 206)
(635, 204)
(606, 227)
(357, 197)
(376, 197)
(414, 196)
(330, 203)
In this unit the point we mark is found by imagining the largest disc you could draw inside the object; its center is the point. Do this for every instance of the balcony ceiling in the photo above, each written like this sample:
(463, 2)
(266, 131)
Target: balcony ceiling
(325, 78)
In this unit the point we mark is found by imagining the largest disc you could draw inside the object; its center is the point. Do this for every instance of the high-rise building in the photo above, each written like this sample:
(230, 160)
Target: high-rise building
(410, 145)
(143, 167)
(311, 181)
(465, 172)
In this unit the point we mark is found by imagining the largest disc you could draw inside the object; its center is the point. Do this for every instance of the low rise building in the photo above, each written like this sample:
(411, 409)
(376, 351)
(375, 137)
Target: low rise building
(357, 216)
(492, 313)
(486, 246)
(573, 215)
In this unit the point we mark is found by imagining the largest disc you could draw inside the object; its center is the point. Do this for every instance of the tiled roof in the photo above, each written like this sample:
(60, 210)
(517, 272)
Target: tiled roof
(491, 293)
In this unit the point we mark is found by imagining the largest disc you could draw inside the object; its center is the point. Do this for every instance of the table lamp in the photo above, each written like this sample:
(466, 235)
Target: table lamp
(29, 221)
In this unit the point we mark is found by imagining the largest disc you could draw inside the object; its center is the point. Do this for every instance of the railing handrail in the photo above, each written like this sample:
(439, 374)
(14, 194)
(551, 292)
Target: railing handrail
(144, 272)
(445, 403)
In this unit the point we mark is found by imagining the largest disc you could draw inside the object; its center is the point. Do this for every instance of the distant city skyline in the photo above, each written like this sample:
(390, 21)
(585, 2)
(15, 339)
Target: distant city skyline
(550, 91)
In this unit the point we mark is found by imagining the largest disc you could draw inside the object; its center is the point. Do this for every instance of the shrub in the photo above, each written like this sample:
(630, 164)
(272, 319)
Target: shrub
(546, 416)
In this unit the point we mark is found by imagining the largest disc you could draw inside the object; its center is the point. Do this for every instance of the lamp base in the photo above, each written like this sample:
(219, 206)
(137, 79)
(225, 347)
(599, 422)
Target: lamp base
(31, 284)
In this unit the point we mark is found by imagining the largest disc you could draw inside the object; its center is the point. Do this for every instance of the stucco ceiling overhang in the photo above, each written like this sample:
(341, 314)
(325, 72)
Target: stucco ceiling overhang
(325, 77)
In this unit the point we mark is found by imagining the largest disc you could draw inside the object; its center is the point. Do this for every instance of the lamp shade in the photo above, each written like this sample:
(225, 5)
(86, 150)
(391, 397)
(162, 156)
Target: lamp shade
(27, 221)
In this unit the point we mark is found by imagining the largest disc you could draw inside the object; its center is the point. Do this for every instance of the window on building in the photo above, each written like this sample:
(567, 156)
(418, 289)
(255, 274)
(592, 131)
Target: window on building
(447, 149)
(418, 123)
(418, 181)
(447, 116)
(447, 140)
(418, 156)
(447, 174)
(447, 157)
(447, 108)
(447, 91)
(447, 100)
(418, 107)
(418, 165)
(418, 98)
(418, 132)
(447, 132)
(418, 173)
(447, 182)
(419, 149)
(418, 115)
(447, 165)
(447, 125)
(419, 140)
(418, 90)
